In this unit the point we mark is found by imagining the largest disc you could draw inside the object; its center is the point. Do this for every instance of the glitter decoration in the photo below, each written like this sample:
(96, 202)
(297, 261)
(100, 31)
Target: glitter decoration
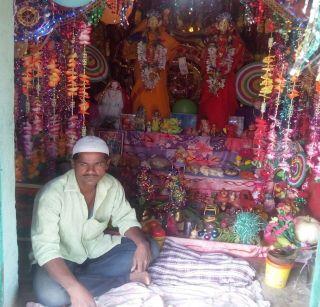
(144, 184)
(84, 40)
(177, 191)
(313, 148)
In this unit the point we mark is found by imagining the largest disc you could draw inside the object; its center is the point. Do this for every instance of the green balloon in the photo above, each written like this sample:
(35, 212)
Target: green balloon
(185, 106)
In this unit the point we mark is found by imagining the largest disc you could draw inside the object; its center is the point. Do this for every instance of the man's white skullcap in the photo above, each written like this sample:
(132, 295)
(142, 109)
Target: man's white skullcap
(90, 144)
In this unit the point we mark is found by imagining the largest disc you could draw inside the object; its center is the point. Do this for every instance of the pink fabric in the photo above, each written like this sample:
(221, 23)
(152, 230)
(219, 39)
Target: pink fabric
(234, 144)
(233, 249)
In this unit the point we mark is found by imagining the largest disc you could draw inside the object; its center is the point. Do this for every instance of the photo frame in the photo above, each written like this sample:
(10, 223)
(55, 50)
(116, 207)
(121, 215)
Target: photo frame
(114, 140)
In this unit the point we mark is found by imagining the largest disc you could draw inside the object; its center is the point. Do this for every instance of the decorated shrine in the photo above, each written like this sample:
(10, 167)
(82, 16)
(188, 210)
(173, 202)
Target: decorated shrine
(210, 109)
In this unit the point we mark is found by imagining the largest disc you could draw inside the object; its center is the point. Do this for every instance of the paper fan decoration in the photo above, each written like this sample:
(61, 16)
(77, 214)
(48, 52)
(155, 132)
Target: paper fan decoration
(97, 67)
(298, 170)
(248, 84)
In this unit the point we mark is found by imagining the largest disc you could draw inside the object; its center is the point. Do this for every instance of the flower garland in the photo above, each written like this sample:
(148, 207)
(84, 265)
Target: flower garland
(215, 70)
(150, 67)
(72, 76)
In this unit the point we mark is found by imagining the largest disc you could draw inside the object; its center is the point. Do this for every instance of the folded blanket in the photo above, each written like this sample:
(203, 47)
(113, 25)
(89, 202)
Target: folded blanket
(178, 265)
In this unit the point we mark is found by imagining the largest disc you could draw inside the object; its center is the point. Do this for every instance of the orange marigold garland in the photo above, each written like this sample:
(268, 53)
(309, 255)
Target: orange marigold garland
(54, 79)
(267, 81)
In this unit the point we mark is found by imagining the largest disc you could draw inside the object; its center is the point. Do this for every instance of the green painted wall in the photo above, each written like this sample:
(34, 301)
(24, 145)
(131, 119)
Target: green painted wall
(8, 232)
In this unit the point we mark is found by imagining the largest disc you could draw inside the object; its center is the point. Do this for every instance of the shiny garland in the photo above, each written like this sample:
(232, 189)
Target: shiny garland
(84, 40)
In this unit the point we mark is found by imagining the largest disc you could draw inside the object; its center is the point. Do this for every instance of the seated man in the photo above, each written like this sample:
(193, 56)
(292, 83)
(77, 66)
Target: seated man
(75, 259)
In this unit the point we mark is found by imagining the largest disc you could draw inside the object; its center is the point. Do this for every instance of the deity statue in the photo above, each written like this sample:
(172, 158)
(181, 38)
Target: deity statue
(221, 58)
(155, 49)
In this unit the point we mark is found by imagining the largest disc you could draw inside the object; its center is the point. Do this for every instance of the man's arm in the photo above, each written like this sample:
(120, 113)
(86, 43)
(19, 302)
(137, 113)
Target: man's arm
(142, 256)
(79, 295)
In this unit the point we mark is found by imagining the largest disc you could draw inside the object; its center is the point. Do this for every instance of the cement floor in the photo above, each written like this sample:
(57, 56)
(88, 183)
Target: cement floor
(295, 294)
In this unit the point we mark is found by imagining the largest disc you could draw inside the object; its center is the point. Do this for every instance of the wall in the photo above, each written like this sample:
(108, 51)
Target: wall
(7, 184)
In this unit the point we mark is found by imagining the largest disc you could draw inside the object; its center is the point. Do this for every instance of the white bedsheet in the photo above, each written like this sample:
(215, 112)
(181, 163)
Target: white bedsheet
(138, 295)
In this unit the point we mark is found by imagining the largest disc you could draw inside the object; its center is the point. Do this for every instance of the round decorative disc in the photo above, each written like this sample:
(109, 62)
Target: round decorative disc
(298, 170)
(248, 84)
(97, 66)
(28, 16)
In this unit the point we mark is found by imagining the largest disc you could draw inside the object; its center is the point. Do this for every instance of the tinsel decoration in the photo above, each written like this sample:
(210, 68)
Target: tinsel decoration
(177, 191)
(36, 106)
(72, 77)
(27, 139)
(272, 135)
(96, 13)
(72, 132)
(144, 184)
(267, 81)
(84, 40)
(27, 77)
(54, 130)
(286, 139)
(247, 227)
(313, 148)
(259, 141)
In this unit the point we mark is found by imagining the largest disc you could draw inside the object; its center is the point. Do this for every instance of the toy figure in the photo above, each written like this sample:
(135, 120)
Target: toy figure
(205, 129)
(156, 122)
(221, 59)
(180, 158)
(140, 120)
(222, 199)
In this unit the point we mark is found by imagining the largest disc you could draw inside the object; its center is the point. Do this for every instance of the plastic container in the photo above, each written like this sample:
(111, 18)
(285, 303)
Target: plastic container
(276, 275)
(187, 120)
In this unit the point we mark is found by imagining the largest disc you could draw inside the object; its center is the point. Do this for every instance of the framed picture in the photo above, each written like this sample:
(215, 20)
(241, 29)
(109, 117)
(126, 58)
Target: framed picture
(114, 140)
(128, 121)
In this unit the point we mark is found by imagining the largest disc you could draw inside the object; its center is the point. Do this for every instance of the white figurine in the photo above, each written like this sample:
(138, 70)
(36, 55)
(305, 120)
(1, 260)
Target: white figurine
(111, 103)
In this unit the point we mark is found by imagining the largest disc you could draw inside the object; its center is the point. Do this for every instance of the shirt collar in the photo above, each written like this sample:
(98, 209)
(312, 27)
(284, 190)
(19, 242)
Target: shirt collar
(71, 184)
(102, 187)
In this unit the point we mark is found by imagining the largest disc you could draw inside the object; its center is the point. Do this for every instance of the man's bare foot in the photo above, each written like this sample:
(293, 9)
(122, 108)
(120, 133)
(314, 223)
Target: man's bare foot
(142, 277)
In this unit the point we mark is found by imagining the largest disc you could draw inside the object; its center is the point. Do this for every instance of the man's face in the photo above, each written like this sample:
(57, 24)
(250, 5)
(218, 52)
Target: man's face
(90, 167)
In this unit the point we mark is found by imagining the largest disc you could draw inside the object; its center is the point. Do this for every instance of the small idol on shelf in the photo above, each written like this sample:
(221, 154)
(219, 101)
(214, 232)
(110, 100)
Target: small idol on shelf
(213, 130)
(234, 200)
(148, 126)
(180, 157)
(204, 129)
(194, 233)
(191, 131)
(156, 122)
(140, 119)
(280, 190)
(250, 132)
(246, 200)
(230, 131)
(222, 199)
